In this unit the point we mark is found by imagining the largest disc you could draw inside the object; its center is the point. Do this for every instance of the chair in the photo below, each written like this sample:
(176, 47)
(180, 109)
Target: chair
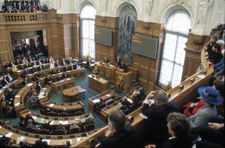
(44, 131)
(60, 132)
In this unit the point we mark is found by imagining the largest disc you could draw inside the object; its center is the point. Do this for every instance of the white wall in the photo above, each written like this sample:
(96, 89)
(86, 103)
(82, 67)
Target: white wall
(205, 14)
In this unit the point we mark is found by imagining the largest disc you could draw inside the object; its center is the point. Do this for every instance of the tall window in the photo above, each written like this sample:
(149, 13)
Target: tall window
(87, 17)
(177, 27)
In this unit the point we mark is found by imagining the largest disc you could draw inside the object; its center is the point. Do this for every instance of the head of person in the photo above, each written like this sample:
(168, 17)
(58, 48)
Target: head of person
(216, 47)
(219, 85)
(116, 121)
(220, 42)
(178, 125)
(118, 58)
(160, 97)
(214, 38)
(210, 95)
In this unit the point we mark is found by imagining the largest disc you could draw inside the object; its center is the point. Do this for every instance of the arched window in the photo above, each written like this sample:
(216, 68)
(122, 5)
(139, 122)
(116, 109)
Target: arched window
(87, 19)
(173, 55)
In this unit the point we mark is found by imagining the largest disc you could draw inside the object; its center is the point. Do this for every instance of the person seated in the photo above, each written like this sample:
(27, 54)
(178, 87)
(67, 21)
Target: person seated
(11, 64)
(120, 83)
(65, 76)
(30, 59)
(212, 135)
(209, 46)
(51, 60)
(10, 95)
(70, 67)
(106, 60)
(61, 127)
(40, 62)
(25, 61)
(53, 72)
(4, 141)
(156, 107)
(38, 86)
(75, 65)
(17, 62)
(5, 80)
(123, 66)
(216, 55)
(192, 107)
(59, 78)
(179, 129)
(25, 82)
(63, 62)
(118, 61)
(211, 97)
(34, 69)
(57, 63)
(70, 60)
(34, 100)
(48, 80)
(96, 70)
(40, 68)
(9, 78)
(219, 68)
(36, 77)
(40, 143)
(26, 65)
(88, 63)
(36, 57)
(118, 133)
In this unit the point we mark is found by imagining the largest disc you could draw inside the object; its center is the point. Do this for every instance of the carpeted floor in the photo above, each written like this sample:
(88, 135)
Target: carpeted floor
(58, 98)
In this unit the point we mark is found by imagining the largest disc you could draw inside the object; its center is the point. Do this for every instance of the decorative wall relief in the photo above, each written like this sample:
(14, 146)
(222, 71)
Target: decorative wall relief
(127, 23)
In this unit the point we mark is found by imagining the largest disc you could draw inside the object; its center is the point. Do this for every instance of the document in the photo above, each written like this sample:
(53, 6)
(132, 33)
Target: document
(9, 134)
(143, 116)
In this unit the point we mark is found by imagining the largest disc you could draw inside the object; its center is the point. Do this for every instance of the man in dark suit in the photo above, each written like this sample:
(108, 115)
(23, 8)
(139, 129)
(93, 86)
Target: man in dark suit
(34, 69)
(156, 124)
(118, 61)
(65, 76)
(63, 62)
(40, 68)
(57, 63)
(25, 81)
(40, 143)
(48, 80)
(118, 134)
(106, 60)
(123, 66)
(38, 87)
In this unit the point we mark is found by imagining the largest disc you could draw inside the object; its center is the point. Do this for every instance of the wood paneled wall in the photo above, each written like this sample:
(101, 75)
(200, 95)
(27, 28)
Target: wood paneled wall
(102, 51)
(147, 67)
(193, 49)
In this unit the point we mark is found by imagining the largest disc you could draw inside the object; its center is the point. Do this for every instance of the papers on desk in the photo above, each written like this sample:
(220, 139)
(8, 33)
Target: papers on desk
(44, 88)
(47, 140)
(9, 134)
(78, 139)
(17, 96)
(29, 84)
(29, 75)
(19, 139)
(143, 116)
(96, 101)
(68, 79)
(110, 65)
(129, 100)
(15, 81)
(1, 90)
(17, 104)
(0, 127)
(64, 122)
(108, 95)
(76, 119)
(52, 122)
(120, 103)
(70, 140)
(1, 136)
(121, 70)
(97, 63)
(34, 117)
(51, 105)
(201, 76)
(19, 70)
(41, 96)
(40, 120)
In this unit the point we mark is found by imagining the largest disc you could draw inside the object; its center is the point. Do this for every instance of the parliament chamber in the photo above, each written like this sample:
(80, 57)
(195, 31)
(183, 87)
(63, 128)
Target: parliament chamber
(102, 74)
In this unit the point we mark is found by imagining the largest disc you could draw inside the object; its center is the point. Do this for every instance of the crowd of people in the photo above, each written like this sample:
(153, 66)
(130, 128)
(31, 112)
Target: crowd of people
(22, 6)
(198, 124)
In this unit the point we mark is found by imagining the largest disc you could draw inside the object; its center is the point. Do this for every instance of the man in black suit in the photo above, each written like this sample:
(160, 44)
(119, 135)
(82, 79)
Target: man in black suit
(65, 76)
(118, 134)
(25, 81)
(118, 61)
(57, 63)
(156, 124)
(38, 87)
(123, 66)
(63, 62)
(106, 60)
(33, 70)
(48, 80)
(40, 68)
(40, 143)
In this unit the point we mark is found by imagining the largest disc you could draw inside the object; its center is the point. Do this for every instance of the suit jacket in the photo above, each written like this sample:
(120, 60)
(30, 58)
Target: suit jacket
(118, 62)
(177, 143)
(47, 80)
(202, 116)
(118, 139)
(56, 64)
(106, 60)
(38, 87)
(65, 76)
(156, 124)
(40, 68)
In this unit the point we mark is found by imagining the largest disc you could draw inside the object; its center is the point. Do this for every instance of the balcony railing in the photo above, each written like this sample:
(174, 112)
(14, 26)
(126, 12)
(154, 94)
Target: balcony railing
(24, 18)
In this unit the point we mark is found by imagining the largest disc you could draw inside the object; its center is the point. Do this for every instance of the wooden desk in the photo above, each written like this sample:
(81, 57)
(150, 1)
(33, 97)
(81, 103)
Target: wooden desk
(96, 99)
(60, 85)
(52, 140)
(107, 110)
(98, 84)
(73, 93)
(127, 76)
(76, 108)
(21, 96)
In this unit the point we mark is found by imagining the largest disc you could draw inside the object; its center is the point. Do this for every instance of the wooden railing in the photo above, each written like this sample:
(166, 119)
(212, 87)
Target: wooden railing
(24, 18)
(184, 92)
